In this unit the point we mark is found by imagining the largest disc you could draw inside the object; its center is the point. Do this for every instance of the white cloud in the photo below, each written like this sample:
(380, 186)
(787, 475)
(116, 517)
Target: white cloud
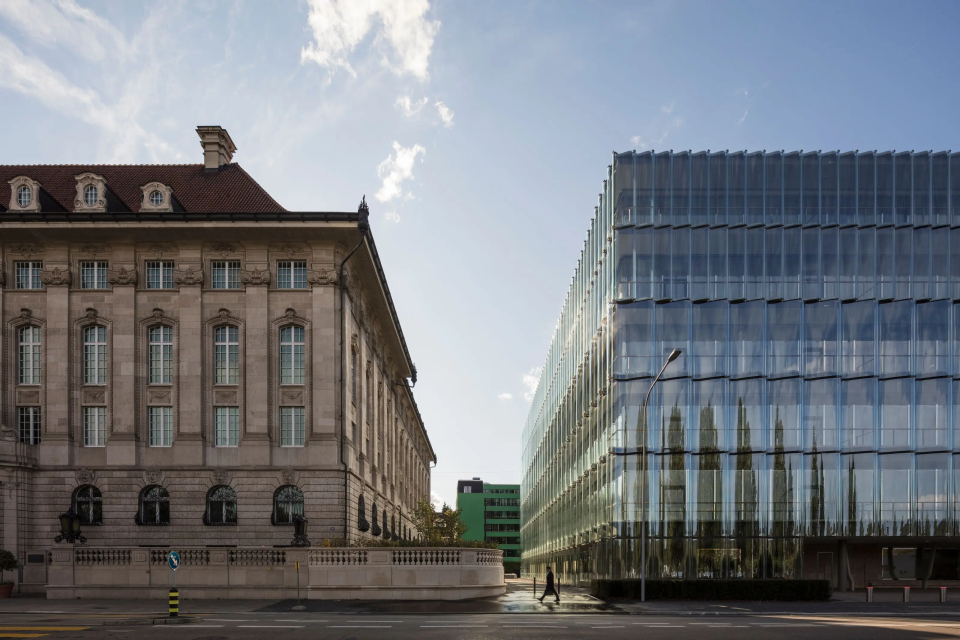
(663, 131)
(411, 107)
(505, 396)
(743, 117)
(339, 26)
(445, 114)
(436, 500)
(392, 216)
(64, 23)
(397, 167)
(667, 109)
(637, 141)
(530, 381)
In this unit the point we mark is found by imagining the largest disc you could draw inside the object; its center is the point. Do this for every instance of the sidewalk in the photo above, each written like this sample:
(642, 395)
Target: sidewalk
(519, 598)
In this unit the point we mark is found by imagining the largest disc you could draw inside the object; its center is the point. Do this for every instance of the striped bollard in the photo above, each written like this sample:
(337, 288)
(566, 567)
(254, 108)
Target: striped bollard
(174, 603)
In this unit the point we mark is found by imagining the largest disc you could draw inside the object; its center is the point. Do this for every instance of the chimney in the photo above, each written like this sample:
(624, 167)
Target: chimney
(218, 148)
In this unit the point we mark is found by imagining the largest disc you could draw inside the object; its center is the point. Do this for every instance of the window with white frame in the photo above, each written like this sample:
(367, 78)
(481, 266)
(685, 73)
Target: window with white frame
(292, 274)
(291, 426)
(90, 195)
(226, 355)
(28, 339)
(160, 274)
(24, 196)
(291, 355)
(161, 426)
(93, 275)
(225, 274)
(94, 426)
(227, 423)
(95, 355)
(161, 355)
(29, 423)
(28, 274)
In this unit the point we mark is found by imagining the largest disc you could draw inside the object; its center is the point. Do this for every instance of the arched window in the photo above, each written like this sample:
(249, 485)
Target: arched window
(362, 523)
(90, 195)
(154, 506)
(291, 355)
(29, 343)
(226, 351)
(88, 504)
(161, 355)
(393, 525)
(24, 196)
(376, 530)
(95, 355)
(287, 502)
(221, 506)
(386, 533)
(353, 374)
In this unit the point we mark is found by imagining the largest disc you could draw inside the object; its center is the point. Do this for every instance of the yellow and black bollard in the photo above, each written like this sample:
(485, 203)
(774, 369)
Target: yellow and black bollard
(174, 603)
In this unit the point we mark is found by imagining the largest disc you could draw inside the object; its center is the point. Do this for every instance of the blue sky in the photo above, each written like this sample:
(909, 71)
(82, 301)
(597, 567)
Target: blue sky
(479, 131)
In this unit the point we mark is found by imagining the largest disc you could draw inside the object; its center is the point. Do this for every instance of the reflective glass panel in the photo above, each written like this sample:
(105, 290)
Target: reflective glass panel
(821, 349)
(661, 263)
(717, 276)
(791, 188)
(736, 183)
(773, 197)
(866, 186)
(708, 485)
(680, 276)
(810, 264)
(886, 259)
(896, 397)
(673, 332)
(699, 268)
(746, 402)
(847, 263)
(940, 189)
(940, 263)
(643, 167)
(828, 188)
(773, 262)
(857, 493)
(933, 416)
(747, 469)
(786, 483)
(791, 263)
(933, 491)
(708, 414)
(746, 339)
(822, 489)
(921, 188)
(821, 412)
(674, 413)
(783, 405)
(847, 200)
(753, 272)
(896, 337)
(921, 263)
(857, 415)
(643, 262)
(811, 188)
(783, 338)
(709, 339)
(681, 189)
(955, 189)
(933, 338)
(866, 241)
(901, 179)
(718, 188)
(699, 192)
(829, 260)
(661, 191)
(896, 489)
(625, 207)
(736, 261)
(885, 188)
(625, 272)
(754, 197)
(858, 338)
(633, 340)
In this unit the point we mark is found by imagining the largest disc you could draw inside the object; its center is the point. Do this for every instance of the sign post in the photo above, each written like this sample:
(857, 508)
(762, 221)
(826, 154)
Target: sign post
(173, 559)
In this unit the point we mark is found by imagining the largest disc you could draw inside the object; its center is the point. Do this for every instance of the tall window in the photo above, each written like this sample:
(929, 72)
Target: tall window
(154, 506)
(94, 426)
(90, 195)
(95, 355)
(291, 274)
(29, 422)
(28, 275)
(29, 352)
(160, 274)
(291, 355)
(24, 196)
(291, 426)
(227, 426)
(161, 426)
(226, 274)
(353, 375)
(287, 502)
(161, 355)
(227, 355)
(88, 504)
(93, 275)
(221, 506)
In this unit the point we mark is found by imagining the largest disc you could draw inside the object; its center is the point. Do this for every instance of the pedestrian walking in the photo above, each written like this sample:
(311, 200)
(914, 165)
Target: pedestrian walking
(549, 588)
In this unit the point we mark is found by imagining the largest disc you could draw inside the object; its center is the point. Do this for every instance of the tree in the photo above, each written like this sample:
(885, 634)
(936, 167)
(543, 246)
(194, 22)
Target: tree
(438, 527)
(8, 562)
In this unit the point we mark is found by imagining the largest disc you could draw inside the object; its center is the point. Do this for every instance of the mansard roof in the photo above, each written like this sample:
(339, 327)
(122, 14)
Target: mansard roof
(228, 189)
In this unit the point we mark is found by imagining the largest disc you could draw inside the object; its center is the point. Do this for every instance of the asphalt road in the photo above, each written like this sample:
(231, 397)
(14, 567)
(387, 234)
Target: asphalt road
(475, 627)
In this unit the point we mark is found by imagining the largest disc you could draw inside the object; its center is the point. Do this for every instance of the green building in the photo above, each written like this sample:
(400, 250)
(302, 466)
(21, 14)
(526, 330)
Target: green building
(492, 513)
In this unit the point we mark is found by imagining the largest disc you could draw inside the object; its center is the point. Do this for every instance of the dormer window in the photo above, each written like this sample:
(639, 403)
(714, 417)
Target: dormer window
(90, 195)
(24, 196)
(156, 196)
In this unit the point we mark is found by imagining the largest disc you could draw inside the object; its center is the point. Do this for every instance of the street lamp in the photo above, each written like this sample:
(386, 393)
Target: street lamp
(70, 528)
(643, 477)
(300, 531)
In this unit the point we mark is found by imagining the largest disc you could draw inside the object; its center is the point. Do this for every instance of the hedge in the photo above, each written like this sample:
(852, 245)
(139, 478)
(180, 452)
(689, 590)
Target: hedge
(660, 589)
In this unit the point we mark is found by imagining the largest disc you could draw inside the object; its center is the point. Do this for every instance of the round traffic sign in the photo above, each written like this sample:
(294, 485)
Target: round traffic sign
(173, 560)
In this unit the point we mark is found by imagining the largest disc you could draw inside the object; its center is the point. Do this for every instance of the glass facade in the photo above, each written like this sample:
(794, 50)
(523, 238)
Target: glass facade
(812, 297)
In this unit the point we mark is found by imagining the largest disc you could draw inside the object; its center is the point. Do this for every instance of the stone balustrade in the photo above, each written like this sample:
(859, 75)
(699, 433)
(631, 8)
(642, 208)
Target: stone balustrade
(375, 573)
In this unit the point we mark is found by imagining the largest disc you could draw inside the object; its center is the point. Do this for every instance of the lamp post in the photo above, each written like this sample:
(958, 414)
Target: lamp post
(70, 528)
(300, 531)
(643, 477)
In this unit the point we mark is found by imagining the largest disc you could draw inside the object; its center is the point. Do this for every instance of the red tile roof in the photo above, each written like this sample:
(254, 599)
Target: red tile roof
(229, 190)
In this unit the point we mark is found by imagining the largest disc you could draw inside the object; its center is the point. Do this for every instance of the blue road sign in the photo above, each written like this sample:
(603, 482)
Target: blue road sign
(173, 560)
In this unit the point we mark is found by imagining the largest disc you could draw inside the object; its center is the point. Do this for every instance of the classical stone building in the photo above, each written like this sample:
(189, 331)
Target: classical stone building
(184, 362)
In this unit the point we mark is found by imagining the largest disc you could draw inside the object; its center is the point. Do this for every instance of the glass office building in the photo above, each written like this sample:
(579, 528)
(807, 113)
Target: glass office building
(810, 426)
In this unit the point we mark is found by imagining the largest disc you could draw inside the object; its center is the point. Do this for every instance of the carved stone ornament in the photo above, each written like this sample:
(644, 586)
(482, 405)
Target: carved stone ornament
(34, 201)
(355, 342)
(27, 250)
(94, 395)
(55, 277)
(255, 277)
(85, 476)
(290, 314)
(322, 277)
(25, 314)
(188, 277)
(122, 276)
(99, 184)
(288, 476)
(92, 249)
(157, 314)
(152, 475)
(164, 202)
(223, 249)
(219, 476)
(290, 249)
(158, 250)
(158, 395)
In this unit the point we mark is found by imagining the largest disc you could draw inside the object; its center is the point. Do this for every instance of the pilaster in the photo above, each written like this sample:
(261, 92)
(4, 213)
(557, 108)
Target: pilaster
(121, 445)
(188, 444)
(255, 443)
(55, 448)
